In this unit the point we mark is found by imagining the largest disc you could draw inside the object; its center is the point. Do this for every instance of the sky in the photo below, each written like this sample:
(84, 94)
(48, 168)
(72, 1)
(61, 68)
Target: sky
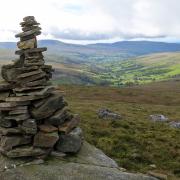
(90, 21)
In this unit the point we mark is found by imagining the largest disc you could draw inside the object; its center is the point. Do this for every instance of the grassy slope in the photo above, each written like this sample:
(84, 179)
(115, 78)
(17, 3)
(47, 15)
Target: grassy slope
(144, 69)
(141, 70)
(134, 142)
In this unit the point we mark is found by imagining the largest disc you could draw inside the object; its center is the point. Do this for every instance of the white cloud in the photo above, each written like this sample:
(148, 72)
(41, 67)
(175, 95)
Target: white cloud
(94, 19)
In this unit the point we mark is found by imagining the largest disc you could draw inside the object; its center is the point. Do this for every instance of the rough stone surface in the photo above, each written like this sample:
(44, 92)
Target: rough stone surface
(45, 140)
(8, 142)
(29, 126)
(89, 164)
(69, 143)
(27, 44)
(69, 125)
(47, 109)
(107, 114)
(158, 118)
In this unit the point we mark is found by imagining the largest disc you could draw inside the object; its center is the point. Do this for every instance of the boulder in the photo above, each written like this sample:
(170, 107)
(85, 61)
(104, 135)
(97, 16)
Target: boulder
(45, 140)
(107, 114)
(69, 143)
(175, 124)
(53, 103)
(89, 164)
(158, 118)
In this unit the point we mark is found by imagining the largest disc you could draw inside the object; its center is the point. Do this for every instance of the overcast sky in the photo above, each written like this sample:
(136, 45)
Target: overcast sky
(86, 21)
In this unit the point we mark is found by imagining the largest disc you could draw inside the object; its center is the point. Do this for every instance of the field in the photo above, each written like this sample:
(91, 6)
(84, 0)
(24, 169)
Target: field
(134, 142)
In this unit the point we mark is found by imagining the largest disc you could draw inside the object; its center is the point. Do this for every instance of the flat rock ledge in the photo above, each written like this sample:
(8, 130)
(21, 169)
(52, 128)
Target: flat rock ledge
(89, 164)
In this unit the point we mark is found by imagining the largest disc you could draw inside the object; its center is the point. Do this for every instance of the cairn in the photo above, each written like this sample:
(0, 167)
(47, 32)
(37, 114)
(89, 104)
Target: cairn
(35, 120)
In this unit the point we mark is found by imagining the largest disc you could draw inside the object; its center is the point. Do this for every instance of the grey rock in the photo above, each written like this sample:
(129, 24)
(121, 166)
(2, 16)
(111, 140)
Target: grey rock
(77, 131)
(69, 143)
(30, 43)
(8, 142)
(46, 110)
(26, 151)
(10, 131)
(34, 50)
(69, 125)
(107, 114)
(174, 124)
(4, 86)
(19, 117)
(27, 33)
(58, 117)
(29, 126)
(158, 118)
(45, 140)
(89, 164)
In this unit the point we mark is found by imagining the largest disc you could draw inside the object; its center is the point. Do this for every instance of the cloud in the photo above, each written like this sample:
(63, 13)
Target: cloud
(93, 20)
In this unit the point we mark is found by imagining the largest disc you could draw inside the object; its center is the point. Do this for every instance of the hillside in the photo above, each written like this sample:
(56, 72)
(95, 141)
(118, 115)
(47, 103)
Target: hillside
(134, 142)
(116, 64)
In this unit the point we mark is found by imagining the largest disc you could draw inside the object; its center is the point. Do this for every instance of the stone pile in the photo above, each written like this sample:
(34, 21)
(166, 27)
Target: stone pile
(35, 120)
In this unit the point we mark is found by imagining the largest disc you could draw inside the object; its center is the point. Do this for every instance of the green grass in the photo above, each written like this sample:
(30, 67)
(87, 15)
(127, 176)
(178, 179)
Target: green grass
(134, 142)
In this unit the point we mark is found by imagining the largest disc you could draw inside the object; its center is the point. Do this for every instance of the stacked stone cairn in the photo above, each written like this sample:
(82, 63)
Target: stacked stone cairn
(35, 120)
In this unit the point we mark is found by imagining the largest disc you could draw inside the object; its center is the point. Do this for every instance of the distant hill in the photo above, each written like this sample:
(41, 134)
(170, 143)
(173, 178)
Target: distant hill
(119, 64)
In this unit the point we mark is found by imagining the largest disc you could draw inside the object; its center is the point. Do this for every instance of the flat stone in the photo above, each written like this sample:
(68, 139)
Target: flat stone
(27, 33)
(10, 131)
(46, 110)
(22, 99)
(69, 125)
(32, 78)
(39, 82)
(47, 128)
(4, 86)
(69, 143)
(29, 18)
(24, 152)
(57, 154)
(24, 89)
(6, 123)
(34, 50)
(160, 176)
(19, 111)
(45, 140)
(12, 104)
(45, 91)
(31, 43)
(9, 73)
(20, 117)
(8, 142)
(58, 117)
(29, 126)
(29, 28)
(4, 95)
(27, 64)
(31, 73)
(13, 108)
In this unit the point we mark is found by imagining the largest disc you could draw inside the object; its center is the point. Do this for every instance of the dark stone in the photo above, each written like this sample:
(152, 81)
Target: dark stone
(69, 143)
(39, 82)
(29, 18)
(69, 125)
(34, 50)
(20, 111)
(58, 117)
(47, 109)
(6, 123)
(24, 152)
(4, 95)
(8, 142)
(20, 117)
(47, 128)
(45, 140)
(10, 131)
(29, 126)
(27, 33)
(4, 86)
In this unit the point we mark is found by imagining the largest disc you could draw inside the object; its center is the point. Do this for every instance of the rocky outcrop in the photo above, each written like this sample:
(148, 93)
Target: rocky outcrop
(89, 164)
